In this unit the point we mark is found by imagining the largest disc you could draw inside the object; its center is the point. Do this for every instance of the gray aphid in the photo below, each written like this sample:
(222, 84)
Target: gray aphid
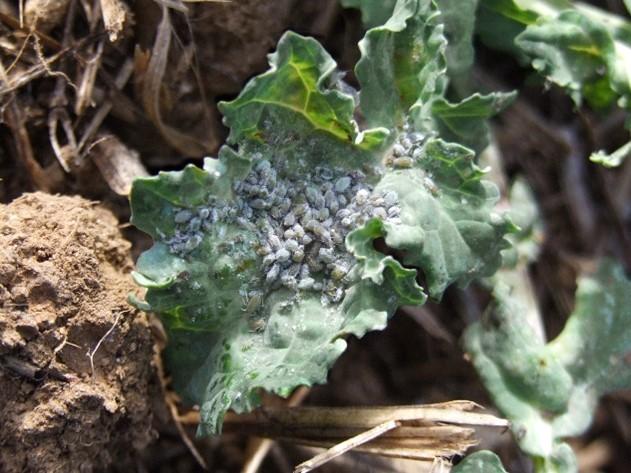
(362, 196)
(263, 250)
(294, 270)
(306, 283)
(298, 230)
(276, 213)
(337, 295)
(269, 259)
(274, 241)
(322, 234)
(258, 204)
(342, 184)
(291, 245)
(336, 237)
(398, 150)
(403, 163)
(288, 280)
(394, 211)
(301, 209)
(214, 215)
(326, 255)
(338, 272)
(183, 216)
(282, 255)
(272, 274)
(326, 186)
(324, 173)
(263, 166)
(298, 255)
(416, 137)
(379, 212)
(289, 220)
(390, 198)
(193, 242)
(312, 194)
(285, 205)
(343, 213)
(377, 201)
(311, 225)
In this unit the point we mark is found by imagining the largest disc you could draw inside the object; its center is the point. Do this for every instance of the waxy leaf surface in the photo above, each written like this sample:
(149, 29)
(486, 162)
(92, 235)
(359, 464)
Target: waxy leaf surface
(233, 328)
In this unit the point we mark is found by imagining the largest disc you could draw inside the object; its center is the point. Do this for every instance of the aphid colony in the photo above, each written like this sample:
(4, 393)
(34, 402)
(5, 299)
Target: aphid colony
(299, 222)
(407, 149)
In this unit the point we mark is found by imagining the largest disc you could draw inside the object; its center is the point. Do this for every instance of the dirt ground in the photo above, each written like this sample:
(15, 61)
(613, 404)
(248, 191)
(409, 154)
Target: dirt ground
(78, 373)
(93, 94)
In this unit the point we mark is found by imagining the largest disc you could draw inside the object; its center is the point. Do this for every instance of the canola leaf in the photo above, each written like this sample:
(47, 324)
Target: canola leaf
(447, 227)
(219, 355)
(374, 12)
(376, 267)
(403, 75)
(582, 48)
(480, 462)
(299, 87)
(550, 391)
(499, 22)
(297, 346)
(524, 213)
(402, 63)
(465, 122)
(572, 51)
(155, 199)
(458, 17)
(226, 344)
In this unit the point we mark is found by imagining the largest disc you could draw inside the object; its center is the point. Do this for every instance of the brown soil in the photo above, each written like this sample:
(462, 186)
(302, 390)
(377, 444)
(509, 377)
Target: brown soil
(64, 279)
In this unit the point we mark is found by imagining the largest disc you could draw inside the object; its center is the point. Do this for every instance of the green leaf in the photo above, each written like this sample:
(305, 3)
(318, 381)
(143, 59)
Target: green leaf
(298, 87)
(480, 462)
(500, 21)
(403, 72)
(571, 51)
(466, 122)
(447, 223)
(614, 159)
(581, 48)
(374, 12)
(459, 19)
(156, 198)
(549, 392)
(524, 213)
(265, 261)
(402, 64)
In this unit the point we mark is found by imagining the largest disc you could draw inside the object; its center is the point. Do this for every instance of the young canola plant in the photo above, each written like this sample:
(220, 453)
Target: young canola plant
(264, 260)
